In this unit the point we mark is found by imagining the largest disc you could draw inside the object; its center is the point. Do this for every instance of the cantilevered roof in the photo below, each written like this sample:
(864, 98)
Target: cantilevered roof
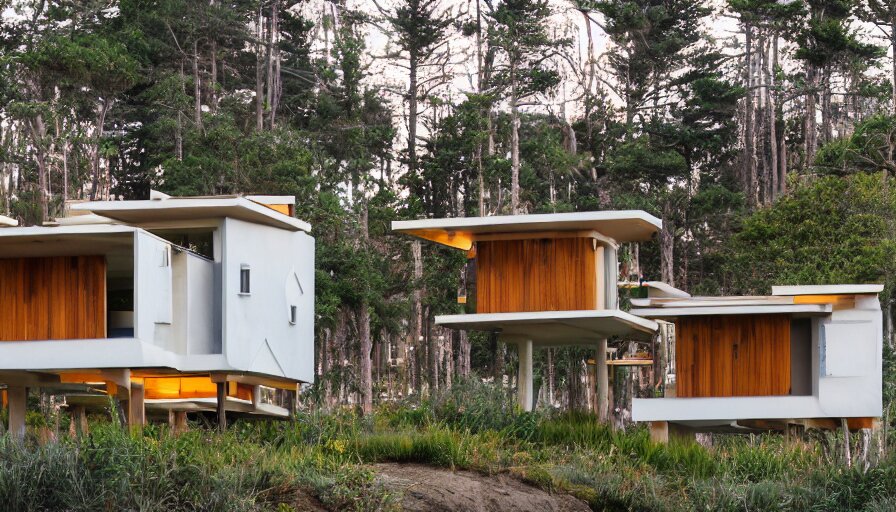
(670, 307)
(656, 289)
(192, 208)
(555, 327)
(828, 289)
(801, 300)
(461, 232)
(793, 309)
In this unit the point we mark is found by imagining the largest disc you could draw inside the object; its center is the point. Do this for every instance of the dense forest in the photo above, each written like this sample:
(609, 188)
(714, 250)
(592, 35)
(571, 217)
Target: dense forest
(761, 132)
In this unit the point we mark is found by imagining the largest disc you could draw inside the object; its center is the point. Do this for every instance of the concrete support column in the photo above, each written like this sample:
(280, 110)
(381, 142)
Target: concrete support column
(18, 403)
(222, 403)
(136, 408)
(603, 382)
(524, 376)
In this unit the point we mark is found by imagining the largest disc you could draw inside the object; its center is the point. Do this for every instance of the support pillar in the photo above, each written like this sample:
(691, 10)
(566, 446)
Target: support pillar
(177, 421)
(18, 403)
(222, 402)
(136, 408)
(603, 382)
(524, 376)
(79, 425)
(659, 432)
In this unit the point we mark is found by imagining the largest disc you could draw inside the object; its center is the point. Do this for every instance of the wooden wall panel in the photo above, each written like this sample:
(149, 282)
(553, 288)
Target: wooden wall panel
(53, 298)
(557, 274)
(736, 355)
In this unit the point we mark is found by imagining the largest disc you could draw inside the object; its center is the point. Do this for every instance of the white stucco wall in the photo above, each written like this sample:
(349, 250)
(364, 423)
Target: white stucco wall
(850, 343)
(258, 336)
(153, 289)
(194, 304)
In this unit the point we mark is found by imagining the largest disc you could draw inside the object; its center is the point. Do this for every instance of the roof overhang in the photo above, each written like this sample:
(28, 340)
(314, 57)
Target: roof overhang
(29, 242)
(828, 289)
(174, 209)
(791, 309)
(460, 232)
(556, 328)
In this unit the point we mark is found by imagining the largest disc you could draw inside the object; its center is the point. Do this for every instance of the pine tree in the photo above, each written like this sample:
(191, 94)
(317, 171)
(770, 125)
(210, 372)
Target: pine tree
(519, 31)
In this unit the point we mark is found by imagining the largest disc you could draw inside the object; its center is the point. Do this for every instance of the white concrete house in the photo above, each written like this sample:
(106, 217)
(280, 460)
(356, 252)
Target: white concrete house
(808, 355)
(545, 280)
(178, 303)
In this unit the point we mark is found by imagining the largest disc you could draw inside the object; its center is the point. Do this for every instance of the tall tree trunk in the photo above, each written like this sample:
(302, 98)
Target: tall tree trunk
(95, 150)
(213, 79)
(589, 89)
(417, 311)
(269, 65)
(259, 71)
(772, 93)
(810, 136)
(412, 114)
(274, 67)
(826, 113)
(667, 241)
(514, 144)
(433, 347)
(364, 334)
(39, 135)
(749, 135)
(893, 60)
(197, 87)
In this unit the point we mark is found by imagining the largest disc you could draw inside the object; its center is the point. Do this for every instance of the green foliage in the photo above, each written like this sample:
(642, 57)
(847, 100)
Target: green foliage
(272, 465)
(870, 148)
(830, 231)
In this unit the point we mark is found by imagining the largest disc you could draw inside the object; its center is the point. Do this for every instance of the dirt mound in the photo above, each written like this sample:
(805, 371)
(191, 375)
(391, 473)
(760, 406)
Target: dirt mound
(431, 489)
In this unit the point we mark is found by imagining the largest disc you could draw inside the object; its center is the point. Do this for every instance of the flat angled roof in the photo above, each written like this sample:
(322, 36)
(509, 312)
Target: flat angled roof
(743, 309)
(828, 289)
(556, 327)
(460, 232)
(174, 208)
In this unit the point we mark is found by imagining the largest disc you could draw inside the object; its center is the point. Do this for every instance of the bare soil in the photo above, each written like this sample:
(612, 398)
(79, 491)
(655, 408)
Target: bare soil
(431, 489)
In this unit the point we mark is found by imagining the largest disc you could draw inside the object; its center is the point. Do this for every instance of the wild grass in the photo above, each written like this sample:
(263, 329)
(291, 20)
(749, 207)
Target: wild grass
(259, 466)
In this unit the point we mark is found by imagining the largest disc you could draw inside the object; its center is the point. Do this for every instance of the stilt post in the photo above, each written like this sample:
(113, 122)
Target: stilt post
(222, 402)
(136, 408)
(524, 378)
(603, 382)
(18, 403)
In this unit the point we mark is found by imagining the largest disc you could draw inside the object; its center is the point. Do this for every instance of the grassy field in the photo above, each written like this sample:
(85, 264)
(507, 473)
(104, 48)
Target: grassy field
(275, 465)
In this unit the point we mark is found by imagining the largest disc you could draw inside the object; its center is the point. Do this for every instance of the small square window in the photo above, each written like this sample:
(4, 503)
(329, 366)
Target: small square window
(245, 282)
(293, 314)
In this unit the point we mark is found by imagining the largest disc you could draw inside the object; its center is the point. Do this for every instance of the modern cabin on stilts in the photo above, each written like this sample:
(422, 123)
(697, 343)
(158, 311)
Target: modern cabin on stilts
(170, 305)
(807, 356)
(545, 281)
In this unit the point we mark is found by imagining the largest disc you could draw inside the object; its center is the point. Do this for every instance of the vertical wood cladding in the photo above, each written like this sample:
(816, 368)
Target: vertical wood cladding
(734, 355)
(557, 274)
(53, 298)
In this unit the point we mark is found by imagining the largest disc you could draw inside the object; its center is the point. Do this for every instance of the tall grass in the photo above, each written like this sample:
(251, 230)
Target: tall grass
(273, 465)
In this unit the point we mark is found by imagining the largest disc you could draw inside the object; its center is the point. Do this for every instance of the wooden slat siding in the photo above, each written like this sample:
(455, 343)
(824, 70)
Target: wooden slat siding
(736, 355)
(536, 275)
(53, 298)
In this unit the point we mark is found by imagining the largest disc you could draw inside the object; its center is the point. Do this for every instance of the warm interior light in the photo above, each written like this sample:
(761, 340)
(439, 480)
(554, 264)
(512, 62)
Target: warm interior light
(457, 239)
